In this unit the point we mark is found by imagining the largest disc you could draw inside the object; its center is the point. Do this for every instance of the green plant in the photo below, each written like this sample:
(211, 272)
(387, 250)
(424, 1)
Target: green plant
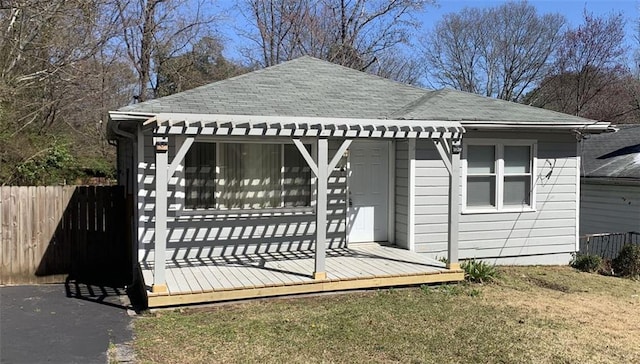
(52, 165)
(426, 289)
(586, 262)
(451, 289)
(627, 263)
(479, 271)
(474, 292)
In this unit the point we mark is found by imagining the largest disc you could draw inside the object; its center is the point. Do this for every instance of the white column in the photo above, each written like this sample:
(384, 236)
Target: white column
(454, 206)
(321, 209)
(162, 168)
(411, 198)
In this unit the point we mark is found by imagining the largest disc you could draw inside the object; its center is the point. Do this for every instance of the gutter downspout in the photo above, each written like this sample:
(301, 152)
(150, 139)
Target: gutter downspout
(119, 132)
(135, 290)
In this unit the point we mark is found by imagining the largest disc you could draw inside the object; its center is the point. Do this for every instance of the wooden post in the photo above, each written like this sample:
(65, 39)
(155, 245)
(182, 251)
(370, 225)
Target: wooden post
(322, 170)
(162, 180)
(454, 205)
(321, 209)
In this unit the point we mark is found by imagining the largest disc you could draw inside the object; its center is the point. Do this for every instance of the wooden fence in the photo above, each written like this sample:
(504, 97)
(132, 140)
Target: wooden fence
(50, 233)
(607, 245)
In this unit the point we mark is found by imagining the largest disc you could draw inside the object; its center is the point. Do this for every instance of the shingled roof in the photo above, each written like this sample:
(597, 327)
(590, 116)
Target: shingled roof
(612, 155)
(461, 106)
(309, 87)
(305, 86)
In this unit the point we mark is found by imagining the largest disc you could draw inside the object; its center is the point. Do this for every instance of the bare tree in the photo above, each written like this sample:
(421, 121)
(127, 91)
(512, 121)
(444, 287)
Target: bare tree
(57, 78)
(593, 54)
(154, 29)
(360, 34)
(500, 52)
(203, 64)
(590, 77)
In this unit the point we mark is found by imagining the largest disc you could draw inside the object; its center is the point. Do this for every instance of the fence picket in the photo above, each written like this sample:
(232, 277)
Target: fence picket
(49, 232)
(607, 245)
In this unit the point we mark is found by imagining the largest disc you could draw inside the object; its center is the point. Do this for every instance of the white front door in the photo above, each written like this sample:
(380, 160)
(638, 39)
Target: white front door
(368, 191)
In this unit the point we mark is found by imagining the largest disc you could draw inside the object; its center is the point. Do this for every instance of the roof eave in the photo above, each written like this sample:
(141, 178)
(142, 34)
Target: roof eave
(593, 127)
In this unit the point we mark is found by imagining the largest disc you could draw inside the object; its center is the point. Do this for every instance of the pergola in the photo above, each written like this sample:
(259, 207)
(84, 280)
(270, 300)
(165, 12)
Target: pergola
(445, 135)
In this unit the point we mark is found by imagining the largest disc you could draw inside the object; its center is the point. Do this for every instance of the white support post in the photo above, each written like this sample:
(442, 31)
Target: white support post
(444, 150)
(411, 199)
(454, 206)
(162, 168)
(307, 157)
(322, 170)
(182, 152)
(321, 209)
(339, 154)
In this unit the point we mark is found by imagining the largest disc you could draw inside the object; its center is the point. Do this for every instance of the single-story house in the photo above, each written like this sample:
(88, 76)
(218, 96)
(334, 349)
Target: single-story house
(306, 162)
(610, 183)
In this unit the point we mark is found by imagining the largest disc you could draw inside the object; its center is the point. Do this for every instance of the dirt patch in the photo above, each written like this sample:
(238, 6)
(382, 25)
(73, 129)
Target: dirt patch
(543, 283)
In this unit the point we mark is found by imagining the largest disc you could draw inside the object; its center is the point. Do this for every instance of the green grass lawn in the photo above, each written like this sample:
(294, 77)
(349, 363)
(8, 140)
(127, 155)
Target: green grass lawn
(530, 315)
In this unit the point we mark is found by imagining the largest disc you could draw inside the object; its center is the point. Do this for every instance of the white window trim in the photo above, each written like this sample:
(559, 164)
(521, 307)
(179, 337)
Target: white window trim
(499, 172)
(272, 211)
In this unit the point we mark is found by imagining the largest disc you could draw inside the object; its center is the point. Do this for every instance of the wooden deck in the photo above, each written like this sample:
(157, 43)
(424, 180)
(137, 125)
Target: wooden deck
(273, 274)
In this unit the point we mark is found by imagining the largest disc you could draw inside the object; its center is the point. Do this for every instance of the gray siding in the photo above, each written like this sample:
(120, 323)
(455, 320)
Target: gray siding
(401, 193)
(609, 208)
(546, 235)
(126, 172)
(195, 236)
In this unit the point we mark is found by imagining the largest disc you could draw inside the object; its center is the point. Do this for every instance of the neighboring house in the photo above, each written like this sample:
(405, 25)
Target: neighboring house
(247, 165)
(610, 183)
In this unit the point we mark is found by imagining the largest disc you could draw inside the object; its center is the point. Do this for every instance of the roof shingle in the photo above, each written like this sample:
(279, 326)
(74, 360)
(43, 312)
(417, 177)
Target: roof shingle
(309, 87)
(612, 155)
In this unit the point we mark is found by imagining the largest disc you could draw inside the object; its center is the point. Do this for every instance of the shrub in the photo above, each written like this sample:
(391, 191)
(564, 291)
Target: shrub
(586, 262)
(627, 263)
(479, 271)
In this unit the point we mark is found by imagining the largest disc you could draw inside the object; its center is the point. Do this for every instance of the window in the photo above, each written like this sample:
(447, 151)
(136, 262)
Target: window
(246, 176)
(498, 176)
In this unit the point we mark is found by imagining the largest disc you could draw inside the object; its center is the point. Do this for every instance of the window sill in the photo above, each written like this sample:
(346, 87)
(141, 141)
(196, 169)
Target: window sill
(273, 212)
(473, 211)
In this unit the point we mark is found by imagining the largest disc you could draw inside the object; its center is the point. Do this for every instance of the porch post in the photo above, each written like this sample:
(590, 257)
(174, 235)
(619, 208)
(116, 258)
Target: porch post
(159, 281)
(454, 205)
(321, 209)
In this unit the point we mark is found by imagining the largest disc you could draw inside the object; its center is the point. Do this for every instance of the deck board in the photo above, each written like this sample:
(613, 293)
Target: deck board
(272, 274)
(192, 281)
(201, 277)
(219, 280)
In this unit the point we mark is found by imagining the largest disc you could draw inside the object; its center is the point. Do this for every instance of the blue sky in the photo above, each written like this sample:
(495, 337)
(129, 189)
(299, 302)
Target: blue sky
(571, 9)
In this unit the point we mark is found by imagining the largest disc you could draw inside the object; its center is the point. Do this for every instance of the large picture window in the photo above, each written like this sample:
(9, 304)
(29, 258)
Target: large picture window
(229, 176)
(499, 175)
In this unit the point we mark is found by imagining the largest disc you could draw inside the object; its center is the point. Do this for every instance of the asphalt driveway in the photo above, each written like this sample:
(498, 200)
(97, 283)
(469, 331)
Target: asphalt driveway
(61, 323)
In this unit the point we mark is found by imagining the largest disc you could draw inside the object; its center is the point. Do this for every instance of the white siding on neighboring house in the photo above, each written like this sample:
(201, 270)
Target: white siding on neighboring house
(544, 236)
(609, 207)
(203, 236)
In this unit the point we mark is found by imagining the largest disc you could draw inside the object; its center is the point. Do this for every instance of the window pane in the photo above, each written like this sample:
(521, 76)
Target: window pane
(249, 176)
(481, 191)
(297, 177)
(517, 159)
(517, 191)
(481, 159)
(200, 173)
